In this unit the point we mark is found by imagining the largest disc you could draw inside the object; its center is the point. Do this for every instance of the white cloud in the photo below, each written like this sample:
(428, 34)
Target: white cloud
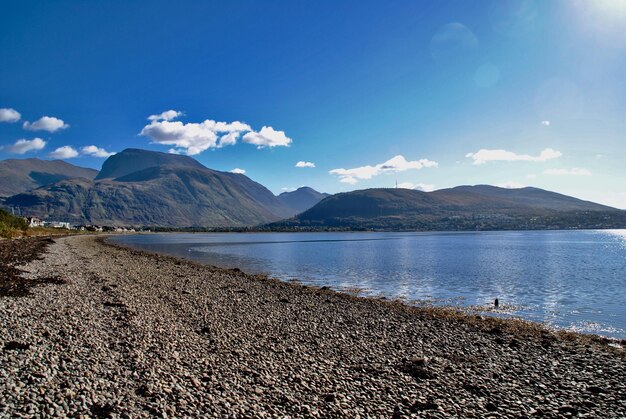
(393, 165)
(165, 116)
(46, 123)
(419, 186)
(511, 185)
(24, 146)
(483, 156)
(9, 115)
(568, 172)
(229, 139)
(305, 164)
(267, 137)
(65, 152)
(231, 127)
(93, 151)
(194, 138)
(531, 176)
(545, 123)
(238, 171)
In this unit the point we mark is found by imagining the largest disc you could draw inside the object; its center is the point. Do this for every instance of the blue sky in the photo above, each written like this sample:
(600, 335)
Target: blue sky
(430, 94)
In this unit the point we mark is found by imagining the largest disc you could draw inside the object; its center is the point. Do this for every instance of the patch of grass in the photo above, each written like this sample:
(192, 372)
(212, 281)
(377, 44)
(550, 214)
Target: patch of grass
(11, 226)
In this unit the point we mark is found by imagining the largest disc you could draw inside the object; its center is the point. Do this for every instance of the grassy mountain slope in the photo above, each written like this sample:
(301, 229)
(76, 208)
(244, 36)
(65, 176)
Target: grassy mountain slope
(463, 208)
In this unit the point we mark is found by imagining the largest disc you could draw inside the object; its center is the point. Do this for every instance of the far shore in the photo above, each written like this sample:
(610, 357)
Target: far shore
(98, 329)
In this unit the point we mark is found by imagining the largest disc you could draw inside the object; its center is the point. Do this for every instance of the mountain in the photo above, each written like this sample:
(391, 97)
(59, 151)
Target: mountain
(134, 159)
(481, 207)
(21, 175)
(527, 197)
(176, 191)
(301, 199)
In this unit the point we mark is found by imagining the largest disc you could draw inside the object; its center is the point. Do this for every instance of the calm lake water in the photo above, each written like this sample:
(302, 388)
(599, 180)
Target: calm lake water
(568, 279)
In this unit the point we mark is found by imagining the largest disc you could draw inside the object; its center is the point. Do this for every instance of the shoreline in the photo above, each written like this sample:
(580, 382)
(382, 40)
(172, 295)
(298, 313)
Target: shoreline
(156, 334)
(505, 311)
(469, 314)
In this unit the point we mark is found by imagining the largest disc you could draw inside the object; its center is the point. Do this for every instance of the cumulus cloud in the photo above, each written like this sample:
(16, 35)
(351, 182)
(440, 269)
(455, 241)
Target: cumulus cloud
(23, 146)
(238, 171)
(193, 138)
(393, 165)
(511, 185)
(483, 156)
(545, 123)
(46, 123)
(417, 186)
(9, 115)
(229, 139)
(65, 152)
(165, 116)
(305, 164)
(568, 172)
(93, 151)
(267, 137)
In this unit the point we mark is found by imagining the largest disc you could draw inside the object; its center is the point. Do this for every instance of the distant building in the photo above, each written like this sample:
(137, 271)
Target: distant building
(57, 224)
(34, 222)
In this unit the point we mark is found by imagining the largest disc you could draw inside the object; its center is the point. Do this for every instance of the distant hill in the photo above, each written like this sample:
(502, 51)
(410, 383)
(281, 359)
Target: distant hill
(481, 207)
(21, 175)
(176, 192)
(301, 199)
(528, 197)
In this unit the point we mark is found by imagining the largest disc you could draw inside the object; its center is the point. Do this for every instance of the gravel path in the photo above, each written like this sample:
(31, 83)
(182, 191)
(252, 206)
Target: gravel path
(125, 333)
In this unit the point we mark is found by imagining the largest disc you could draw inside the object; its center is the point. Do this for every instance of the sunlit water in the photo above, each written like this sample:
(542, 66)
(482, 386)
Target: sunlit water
(567, 279)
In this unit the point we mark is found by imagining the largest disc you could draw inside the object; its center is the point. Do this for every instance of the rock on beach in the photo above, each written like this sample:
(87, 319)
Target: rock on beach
(123, 333)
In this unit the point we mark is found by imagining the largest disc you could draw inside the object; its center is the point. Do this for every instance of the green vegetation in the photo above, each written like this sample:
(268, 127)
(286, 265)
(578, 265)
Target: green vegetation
(11, 226)
(572, 220)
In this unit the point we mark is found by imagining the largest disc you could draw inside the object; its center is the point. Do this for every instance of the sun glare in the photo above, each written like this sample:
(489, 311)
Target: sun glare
(614, 10)
(604, 20)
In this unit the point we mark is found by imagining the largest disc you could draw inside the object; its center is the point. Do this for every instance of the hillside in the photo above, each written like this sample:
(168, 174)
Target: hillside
(21, 175)
(527, 197)
(480, 207)
(301, 199)
(177, 192)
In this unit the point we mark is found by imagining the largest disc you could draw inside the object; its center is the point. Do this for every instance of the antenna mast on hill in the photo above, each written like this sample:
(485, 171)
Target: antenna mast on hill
(396, 183)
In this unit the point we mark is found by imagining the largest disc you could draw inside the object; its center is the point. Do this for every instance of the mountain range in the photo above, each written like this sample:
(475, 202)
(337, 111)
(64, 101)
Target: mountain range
(480, 207)
(20, 175)
(147, 188)
(301, 199)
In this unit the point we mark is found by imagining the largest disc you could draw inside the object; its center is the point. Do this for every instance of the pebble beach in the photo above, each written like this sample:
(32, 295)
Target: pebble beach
(90, 328)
